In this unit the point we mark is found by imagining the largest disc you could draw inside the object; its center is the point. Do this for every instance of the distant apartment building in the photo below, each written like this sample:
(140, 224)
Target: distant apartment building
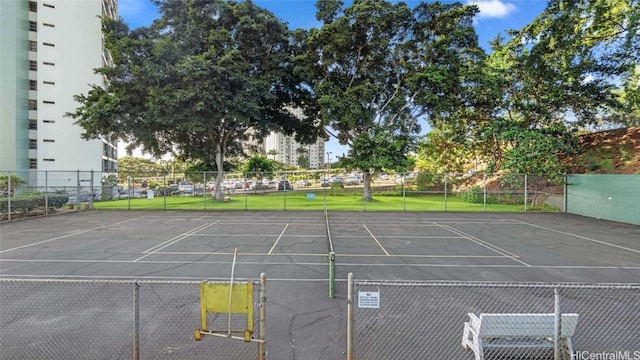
(285, 149)
(48, 52)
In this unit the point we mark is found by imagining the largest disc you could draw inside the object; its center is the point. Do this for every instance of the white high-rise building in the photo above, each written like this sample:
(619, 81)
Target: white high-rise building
(286, 150)
(48, 52)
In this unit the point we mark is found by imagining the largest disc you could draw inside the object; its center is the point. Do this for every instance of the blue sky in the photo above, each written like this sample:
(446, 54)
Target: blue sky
(496, 16)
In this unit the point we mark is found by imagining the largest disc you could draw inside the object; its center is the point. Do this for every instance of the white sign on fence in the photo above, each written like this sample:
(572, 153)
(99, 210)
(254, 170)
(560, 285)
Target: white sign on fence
(369, 299)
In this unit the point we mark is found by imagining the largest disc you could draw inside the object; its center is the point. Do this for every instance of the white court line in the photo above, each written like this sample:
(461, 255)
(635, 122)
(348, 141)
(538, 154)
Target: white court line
(376, 240)
(253, 235)
(278, 239)
(582, 237)
(160, 278)
(66, 236)
(514, 266)
(200, 253)
(176, 237)
(341, 255)
(175, 240)
(485, 244)
(402, 236)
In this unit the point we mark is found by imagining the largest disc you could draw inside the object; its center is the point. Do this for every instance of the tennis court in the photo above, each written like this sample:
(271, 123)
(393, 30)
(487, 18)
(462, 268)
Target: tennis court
(292, 249)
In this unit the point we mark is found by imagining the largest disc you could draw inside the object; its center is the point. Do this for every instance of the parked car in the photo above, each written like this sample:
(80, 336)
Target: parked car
(256, 185)
(185, 187)
(304, 183)
(352, 180)
(337, 182)
(284, 185)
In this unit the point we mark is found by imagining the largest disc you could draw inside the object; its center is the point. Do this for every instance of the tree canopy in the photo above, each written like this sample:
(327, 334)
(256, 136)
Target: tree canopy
(201, 81)
(377, 68)
(573, 67)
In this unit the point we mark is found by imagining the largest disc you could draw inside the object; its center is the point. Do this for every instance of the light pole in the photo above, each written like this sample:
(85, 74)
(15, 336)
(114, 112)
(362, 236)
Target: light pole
(329, 160)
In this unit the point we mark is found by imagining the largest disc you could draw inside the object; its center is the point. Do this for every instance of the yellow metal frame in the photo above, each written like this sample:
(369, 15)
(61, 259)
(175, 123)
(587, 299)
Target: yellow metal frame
(219, 298)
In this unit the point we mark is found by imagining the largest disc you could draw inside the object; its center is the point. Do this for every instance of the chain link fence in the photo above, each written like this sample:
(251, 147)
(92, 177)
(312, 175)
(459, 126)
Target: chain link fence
(430, 320)
(78, 319)
(31, 193)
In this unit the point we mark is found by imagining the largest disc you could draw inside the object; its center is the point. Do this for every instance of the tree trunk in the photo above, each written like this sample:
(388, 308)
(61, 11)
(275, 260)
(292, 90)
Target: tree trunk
(217, 194)
(366, 193)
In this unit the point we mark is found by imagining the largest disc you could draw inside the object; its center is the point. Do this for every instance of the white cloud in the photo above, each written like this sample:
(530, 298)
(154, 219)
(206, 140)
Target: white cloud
(493, 8)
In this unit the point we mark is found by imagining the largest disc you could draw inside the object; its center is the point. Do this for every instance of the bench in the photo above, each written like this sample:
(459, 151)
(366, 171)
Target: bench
(511, 331)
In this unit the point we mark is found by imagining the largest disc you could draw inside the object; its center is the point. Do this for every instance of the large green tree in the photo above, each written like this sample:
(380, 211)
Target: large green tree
(377, 68)
(204, 78)
(138, 167)
(573, 66)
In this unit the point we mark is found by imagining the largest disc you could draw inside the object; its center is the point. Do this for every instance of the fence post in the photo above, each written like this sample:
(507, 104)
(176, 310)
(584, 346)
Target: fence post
(557, 326)
(565, 195)
(246, 193)
(204, 189)
(136, 321)
(166, 189)
(526, 193)
(92, 190)
(46, 193)
(263, 315)
(78, 189)
(9, 196)
(350, 316)
(404, 193)
(484, 190)
(446, 179)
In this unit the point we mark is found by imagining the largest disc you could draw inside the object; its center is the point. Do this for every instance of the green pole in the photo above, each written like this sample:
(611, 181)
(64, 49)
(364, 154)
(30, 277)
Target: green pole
(332, 274)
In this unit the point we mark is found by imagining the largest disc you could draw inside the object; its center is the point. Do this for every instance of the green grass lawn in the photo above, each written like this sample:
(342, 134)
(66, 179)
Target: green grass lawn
(298, 200)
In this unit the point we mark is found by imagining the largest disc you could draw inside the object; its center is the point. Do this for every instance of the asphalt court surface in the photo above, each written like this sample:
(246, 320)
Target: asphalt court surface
(293, 246)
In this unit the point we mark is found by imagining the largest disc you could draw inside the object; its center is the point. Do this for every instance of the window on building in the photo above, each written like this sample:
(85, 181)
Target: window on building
(33, 46)
(33, 85)
(33, 65)
(33, 104)
(33, 144)
(33, 6)
(33, 124)
(33, 26)
(33, 164)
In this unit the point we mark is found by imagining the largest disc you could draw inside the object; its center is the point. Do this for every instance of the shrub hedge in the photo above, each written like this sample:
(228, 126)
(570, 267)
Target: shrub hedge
(27, 203)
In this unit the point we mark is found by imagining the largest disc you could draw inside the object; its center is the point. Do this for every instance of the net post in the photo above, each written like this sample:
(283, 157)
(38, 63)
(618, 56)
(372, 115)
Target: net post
(332, 274)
